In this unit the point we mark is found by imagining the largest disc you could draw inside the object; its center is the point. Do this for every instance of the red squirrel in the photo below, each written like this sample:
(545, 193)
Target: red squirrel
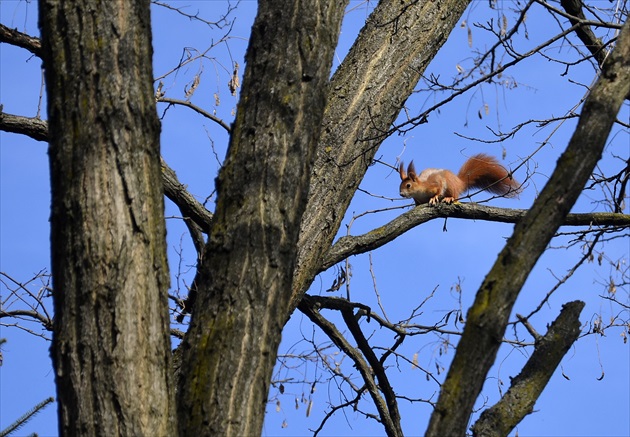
(436, 185)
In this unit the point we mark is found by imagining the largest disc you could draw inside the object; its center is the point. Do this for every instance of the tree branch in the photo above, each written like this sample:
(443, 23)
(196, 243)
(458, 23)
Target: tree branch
(309, 308)
(36, 316)
(33, 127)
(37, 129)
(354, 245)
(489, 314)
(197, 109)
(500, 419)
(19, 39)
(584, 32)
(187, 204)
(393, 417)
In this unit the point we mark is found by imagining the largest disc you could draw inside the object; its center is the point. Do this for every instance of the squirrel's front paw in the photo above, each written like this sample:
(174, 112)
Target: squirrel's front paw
(434, 200)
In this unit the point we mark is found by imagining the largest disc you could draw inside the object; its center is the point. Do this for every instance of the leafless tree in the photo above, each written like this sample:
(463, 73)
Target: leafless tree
(299, 147)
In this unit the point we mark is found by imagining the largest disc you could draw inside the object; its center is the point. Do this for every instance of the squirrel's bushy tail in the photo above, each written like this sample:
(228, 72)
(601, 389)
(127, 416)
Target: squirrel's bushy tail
(484, 172)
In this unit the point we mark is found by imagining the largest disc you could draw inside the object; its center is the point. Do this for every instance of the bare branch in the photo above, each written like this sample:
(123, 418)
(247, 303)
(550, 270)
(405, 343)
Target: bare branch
(33, 127)
(220, 23)
(488, 316)
(525, 389)
(309, 308)
(19, 39)
(583, 30)
(392, 419)
(350, 245)
(187, 204)
(197, 109)
(34, 315)
(422, 118)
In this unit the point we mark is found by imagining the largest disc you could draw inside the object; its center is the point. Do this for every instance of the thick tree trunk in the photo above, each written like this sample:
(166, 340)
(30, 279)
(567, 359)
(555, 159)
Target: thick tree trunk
(489, 314)
(111, 336)
(244, 282)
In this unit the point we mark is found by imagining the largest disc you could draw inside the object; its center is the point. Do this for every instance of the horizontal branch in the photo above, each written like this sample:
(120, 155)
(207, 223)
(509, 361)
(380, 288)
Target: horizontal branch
(37, 129)
(19, 39)
(34, 315)
(33, 127)
(317, 303)
(354, 245)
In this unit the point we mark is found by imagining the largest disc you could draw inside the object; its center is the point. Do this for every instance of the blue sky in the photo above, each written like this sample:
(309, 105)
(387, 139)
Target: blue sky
(406, 271)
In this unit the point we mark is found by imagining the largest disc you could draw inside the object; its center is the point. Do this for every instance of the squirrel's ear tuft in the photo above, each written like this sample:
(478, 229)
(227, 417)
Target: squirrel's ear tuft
(401, 171)
(411, 170)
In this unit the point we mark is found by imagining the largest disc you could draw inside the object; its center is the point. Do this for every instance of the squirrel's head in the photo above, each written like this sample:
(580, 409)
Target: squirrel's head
(407, 178)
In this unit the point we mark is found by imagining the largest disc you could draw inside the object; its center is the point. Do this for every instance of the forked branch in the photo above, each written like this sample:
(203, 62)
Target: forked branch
(309, 307)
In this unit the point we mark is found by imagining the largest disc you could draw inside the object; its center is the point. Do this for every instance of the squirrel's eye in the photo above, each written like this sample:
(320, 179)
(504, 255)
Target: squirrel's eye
(408, 185)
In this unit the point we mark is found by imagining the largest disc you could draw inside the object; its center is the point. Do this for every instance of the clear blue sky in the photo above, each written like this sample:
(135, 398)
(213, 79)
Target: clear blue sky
(406, 270)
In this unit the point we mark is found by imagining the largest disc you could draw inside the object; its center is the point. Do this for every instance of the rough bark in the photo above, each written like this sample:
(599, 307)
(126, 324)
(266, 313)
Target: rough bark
(488, 316)
(526, 387)
(111, 341)
(366, 95)
(244, 281)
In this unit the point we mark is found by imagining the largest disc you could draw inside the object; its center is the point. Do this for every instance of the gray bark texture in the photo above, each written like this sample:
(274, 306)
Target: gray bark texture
(244, 281)
(111, 331)
(489, 314)
(299, 148)
(366, 94)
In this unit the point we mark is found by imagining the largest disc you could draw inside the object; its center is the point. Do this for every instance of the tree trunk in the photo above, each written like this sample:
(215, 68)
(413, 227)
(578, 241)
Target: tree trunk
(366, 95)
(489, 314)
(244, 282)
(111, 341)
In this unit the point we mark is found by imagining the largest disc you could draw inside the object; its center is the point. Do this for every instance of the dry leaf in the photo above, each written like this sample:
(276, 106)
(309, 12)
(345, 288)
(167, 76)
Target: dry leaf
(190, 91)
(234, 83)
(159, 93)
